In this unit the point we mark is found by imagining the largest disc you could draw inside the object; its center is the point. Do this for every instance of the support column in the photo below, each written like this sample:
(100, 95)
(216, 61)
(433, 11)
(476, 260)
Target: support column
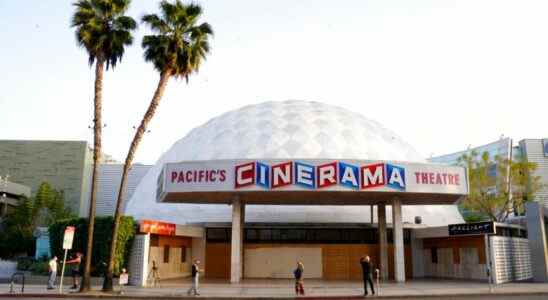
(538, 244)
(397, 233)
(371, 214)
(242, 230)
(383, 244)
(236, 242)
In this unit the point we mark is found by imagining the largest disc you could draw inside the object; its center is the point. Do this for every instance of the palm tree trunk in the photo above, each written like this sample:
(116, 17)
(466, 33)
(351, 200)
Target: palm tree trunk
(164, 78)
(98, 126)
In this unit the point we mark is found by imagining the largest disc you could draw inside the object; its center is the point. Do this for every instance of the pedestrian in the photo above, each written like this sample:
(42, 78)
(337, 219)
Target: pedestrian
(195, 278)
(52, 272)
(366, 270)
(75, 269)
(299, 284)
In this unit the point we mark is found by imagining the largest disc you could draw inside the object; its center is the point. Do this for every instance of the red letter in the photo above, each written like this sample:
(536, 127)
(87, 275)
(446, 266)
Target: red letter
(223, 176)
(372, 175)
(424, 178)
(244, 175)
(282, 174)
(173, 176)
(417, 175)
(327, 175)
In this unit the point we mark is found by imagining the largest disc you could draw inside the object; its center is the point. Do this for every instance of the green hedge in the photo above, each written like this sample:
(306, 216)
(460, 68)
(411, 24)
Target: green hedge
(101, 241)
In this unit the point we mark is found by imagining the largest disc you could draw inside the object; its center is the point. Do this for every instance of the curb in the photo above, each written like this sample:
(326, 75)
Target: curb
(341, 297)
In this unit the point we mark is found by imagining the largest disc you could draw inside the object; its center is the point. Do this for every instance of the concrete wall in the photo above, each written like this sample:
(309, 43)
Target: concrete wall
(511, 259)
(280, 262)
(60, 163)
(7, 268)
(468, 268)
(175, 267)
(198, 252)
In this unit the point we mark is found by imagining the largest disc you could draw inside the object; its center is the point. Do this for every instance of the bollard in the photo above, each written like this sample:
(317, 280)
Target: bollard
(378, 274)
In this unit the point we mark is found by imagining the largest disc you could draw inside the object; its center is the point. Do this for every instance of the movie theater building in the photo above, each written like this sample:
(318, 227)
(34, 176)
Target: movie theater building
(257, 189)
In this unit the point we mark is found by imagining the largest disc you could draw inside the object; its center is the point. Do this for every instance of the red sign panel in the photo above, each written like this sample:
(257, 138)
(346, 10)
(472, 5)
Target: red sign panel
(156, 227)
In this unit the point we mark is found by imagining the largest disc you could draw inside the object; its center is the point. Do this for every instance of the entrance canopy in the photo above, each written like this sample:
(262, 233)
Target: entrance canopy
(310, 182)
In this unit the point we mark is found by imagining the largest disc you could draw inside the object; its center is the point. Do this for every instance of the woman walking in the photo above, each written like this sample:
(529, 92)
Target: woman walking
(298, 273)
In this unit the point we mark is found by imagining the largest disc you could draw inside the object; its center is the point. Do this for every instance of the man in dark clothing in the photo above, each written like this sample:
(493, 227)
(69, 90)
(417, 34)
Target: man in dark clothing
(366, 269)
(75, 270)
(195, 278)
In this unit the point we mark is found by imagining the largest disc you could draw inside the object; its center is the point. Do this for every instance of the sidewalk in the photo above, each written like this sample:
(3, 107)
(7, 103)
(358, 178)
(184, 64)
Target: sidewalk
(314, 288)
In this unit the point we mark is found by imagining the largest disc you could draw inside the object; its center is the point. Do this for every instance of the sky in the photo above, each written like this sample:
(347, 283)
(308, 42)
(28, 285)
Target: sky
(441, 74)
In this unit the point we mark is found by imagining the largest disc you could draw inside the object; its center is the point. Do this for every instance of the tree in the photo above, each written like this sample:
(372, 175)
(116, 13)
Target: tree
(43, 209)
(176, 49)
(104, 31)
(498, 187)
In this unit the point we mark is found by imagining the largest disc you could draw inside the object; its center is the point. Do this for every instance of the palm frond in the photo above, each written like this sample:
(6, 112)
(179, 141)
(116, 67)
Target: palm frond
(103, 29)
(178, 44)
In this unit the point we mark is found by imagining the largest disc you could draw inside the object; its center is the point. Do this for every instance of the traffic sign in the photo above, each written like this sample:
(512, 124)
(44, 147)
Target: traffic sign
(68, 238)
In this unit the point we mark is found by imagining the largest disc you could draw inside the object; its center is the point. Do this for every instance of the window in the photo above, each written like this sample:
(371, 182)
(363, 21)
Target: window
(434, 254)
(183, 254)
(365, 235)
(166, 254)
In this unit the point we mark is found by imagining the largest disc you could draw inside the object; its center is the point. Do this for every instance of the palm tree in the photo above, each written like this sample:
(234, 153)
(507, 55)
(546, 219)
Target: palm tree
(176, 49)
(104, 31)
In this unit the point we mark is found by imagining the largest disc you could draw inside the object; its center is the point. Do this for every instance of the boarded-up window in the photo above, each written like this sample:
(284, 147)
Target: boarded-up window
(166, 254)
(434, 255)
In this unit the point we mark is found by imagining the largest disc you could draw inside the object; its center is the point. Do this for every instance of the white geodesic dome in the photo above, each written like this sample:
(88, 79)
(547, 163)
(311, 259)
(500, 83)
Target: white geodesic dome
(282, 130)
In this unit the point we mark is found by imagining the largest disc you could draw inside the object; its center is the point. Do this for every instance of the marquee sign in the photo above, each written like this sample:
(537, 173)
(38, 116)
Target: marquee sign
(156, 227)
(310, 175)
(472, 228)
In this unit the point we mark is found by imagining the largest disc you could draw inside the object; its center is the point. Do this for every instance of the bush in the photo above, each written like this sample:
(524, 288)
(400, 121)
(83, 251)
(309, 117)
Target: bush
(101, 241)
(39, 268)
(24, 263)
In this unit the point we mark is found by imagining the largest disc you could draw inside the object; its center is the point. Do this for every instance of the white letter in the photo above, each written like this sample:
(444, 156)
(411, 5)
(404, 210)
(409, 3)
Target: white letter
(304, 175)
(348, 175)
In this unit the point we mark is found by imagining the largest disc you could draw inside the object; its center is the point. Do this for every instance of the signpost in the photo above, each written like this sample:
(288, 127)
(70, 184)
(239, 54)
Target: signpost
(478, 228)
(67, 245)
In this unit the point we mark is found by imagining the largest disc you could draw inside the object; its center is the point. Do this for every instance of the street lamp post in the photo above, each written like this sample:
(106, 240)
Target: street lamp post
(4, 185)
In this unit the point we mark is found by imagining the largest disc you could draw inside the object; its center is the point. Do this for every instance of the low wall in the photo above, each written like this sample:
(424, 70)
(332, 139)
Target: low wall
(7, 268)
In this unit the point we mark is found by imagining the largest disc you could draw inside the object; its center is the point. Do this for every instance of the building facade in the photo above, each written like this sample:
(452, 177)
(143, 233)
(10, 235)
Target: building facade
(329, 223)
(531, 150)
(110, 176)
(65, 165)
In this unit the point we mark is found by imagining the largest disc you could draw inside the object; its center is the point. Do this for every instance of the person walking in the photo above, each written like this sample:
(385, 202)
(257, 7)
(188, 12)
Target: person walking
(52, 272)
(299, 284)
(195, 279)
(366, 270)
(75, 269)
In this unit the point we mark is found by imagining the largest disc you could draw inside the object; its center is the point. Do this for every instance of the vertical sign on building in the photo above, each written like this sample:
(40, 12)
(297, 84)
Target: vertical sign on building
(545, 147)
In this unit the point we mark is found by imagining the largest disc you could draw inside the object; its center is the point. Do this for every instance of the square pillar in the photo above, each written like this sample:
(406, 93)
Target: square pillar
(536, 233)
(397, 233)
(383, 243)
(236, 245)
